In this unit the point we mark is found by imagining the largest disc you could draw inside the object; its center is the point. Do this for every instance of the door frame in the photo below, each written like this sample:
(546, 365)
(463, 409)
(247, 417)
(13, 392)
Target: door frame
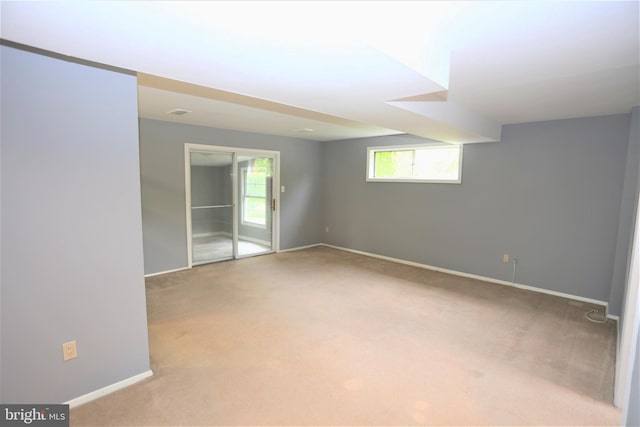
(628, 341)
(238, 151)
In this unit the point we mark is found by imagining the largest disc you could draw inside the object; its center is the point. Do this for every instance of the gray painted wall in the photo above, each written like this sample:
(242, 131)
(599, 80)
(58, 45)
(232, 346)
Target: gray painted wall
(627, 217)
(548, 193)
(72, 266)
(163, 198)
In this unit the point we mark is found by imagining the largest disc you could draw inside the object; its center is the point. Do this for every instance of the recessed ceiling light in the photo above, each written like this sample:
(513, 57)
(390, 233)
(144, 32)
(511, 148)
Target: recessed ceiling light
(179, 111)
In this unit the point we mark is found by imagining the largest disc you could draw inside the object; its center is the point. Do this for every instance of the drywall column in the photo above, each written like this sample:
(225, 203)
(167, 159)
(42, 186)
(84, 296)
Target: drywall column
(72, 264)
(628, 362)
(1, 400)
(625, 395)
(627, 215)
(633, 410)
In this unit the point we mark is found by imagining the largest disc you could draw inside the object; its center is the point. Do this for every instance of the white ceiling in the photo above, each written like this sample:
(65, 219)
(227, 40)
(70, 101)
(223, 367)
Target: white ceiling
(451, 71)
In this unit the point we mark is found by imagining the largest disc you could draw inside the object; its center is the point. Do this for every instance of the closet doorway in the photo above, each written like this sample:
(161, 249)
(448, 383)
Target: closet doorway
(232, 202)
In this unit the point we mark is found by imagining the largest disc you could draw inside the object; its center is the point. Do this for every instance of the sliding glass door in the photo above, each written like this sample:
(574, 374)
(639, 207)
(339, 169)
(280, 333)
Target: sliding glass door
(211, 206)
(231, 203)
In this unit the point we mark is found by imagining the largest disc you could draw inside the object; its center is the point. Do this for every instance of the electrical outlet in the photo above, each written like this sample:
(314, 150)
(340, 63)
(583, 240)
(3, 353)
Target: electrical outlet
(326, 229)
(69, 350)
(505, 258)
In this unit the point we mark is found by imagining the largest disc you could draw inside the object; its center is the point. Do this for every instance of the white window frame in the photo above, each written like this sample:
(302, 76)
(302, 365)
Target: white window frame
(371, 151)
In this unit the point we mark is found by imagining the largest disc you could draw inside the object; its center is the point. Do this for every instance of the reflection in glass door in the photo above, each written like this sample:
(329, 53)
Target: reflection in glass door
(255, 202)
(211, 206)
(231, 204)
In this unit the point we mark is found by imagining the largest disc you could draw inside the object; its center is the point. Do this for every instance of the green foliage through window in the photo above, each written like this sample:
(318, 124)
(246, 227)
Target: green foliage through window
(255, 181)
(433, 163)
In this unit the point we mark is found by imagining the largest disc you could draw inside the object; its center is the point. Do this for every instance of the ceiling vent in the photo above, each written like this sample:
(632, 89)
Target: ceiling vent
(179, 111)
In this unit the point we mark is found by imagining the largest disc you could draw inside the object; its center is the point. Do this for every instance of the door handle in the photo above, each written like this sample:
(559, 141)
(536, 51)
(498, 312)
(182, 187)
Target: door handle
(273, 204)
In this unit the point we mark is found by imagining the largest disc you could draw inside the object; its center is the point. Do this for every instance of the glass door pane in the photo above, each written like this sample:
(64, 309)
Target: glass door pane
(255, 214)
(211, 207)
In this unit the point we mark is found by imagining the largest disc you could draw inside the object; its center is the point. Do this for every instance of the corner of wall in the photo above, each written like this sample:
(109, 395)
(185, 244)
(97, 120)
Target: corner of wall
(626, 221)
(72, 292)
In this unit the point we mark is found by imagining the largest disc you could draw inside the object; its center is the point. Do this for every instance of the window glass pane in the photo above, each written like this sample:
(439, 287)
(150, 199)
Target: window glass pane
(415, 163)
(255, 210)
(255, 185)
(262, 166)
(255, 191)
(394, 164)
(437, 164)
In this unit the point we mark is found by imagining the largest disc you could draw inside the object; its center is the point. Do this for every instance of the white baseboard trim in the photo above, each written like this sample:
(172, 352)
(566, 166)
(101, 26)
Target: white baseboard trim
(108, 389)
(166, 272)
(299, 248)
(483, 278)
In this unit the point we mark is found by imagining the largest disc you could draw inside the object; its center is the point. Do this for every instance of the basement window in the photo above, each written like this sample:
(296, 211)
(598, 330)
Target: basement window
(436, 163)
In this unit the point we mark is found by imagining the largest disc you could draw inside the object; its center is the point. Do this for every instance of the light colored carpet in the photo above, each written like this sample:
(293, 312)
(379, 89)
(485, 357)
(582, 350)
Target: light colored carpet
(326, 337)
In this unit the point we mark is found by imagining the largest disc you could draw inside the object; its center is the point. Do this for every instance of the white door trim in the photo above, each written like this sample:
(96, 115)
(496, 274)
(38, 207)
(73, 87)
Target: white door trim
(630, 326)
(187, 200)
(238, 151)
